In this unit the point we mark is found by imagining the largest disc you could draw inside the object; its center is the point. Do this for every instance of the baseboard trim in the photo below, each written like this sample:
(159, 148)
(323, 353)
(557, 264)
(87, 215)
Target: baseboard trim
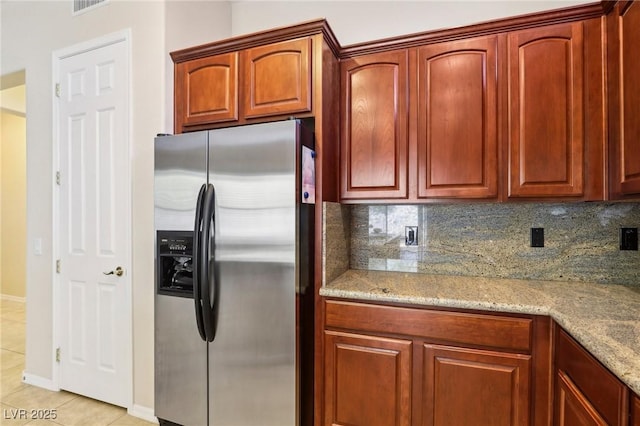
(144, 413)
(41, 382)
(13, 298)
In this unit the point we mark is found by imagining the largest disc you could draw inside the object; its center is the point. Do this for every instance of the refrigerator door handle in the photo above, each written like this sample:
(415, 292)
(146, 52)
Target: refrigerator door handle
(197, 249)
(207, 259)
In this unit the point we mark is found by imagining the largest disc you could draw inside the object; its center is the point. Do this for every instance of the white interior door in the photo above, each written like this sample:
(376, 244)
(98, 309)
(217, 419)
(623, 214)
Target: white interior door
(94, 309)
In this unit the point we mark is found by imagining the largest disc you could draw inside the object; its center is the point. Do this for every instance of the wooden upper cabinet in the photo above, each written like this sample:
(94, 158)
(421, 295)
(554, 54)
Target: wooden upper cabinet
(624, 99)
(458, 119)
(367, 380)
(374, 140)
(546, 119)
(206, 90)
(277, 78)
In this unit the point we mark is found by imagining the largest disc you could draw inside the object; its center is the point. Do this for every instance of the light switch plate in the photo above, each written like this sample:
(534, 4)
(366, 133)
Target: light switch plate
(37, 246)
(410, 235)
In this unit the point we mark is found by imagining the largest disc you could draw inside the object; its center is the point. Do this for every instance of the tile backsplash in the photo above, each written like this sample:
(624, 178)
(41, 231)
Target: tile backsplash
(581, 240)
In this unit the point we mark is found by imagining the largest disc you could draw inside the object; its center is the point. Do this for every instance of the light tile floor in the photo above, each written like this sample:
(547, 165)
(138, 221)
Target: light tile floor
(21, 403)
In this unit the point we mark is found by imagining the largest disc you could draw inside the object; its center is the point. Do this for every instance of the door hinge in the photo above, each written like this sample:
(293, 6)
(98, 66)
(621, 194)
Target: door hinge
(57, 90)
(58, 266)
(57, 354)
(57, 178)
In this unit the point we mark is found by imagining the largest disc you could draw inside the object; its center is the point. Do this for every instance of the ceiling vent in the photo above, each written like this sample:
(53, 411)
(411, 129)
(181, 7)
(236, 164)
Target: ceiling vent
(81, 6)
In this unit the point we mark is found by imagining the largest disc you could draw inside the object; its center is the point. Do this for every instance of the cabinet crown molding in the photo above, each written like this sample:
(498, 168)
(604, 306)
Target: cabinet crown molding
(532, 20)
(321, 26)
(304, 29)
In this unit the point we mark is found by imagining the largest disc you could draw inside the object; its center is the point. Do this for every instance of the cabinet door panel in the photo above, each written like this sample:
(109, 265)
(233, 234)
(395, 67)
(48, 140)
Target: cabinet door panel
(367, 380)
(635, 410)
(206, 90)
(277, 78)
(630, 92)
(473, 387)
(457, 119)
(573, 408)
(608, 395)
(546, 147)
(374, 134)
(624, 39)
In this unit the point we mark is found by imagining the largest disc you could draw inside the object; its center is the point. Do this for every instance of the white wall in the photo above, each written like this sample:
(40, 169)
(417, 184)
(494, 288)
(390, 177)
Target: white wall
(192, 23)
(30, 32)
(359, 21)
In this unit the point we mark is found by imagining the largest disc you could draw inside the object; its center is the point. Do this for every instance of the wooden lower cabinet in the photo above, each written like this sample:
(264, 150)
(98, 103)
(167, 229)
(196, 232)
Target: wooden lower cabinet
(367, 380)
(392, 365)
(572, 407)
(475, 387)
(635, 410)
(586, 392)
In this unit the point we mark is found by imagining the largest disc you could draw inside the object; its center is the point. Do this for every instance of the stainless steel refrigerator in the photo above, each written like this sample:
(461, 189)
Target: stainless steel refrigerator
(234, 219)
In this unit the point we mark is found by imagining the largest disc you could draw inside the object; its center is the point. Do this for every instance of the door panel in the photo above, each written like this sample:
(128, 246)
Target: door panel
(180, 171)
(629, 67)
(77, 333)
(252, 360)
(277, 78)
(635, 410)
(457, 119)
(572, 407)
(546, 145)
(106, 326)
(374, 143)
(608, 395)
(624, 99)
(206, 90)
(94, 319)
(180, 363)
(367, 380)
(467, 386)
(77, 186)
(106, 206)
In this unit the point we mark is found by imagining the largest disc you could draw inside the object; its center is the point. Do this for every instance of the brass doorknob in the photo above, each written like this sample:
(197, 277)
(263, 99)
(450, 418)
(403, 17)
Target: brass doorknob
(118, 271)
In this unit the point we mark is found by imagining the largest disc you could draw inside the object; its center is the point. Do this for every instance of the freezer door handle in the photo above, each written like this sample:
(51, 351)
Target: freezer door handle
(197, 278)
(208, 285)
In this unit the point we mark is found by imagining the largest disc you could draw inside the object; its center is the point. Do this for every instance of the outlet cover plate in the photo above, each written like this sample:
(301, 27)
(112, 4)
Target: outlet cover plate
(629, 239)
(537, 237)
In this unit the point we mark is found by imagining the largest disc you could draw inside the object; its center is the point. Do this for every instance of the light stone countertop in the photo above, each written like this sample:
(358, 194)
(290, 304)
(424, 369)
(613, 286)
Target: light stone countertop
(604, 318)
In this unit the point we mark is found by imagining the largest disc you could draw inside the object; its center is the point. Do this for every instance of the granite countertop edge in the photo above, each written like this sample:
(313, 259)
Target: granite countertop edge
(604, 318)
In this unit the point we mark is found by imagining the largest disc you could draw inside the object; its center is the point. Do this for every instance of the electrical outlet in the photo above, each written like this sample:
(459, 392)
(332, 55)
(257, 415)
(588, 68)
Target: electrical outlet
(410, 235)
(537, 237)
(629, 239)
